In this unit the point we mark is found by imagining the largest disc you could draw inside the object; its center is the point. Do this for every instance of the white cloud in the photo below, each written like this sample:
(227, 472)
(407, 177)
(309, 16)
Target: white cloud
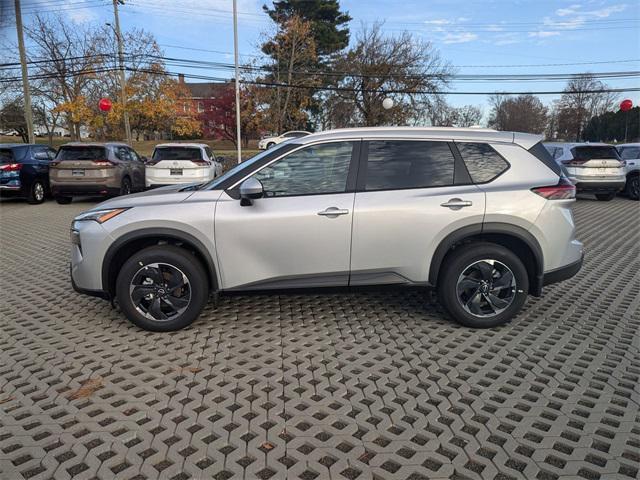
(506, 39)
(544, 34)
(439, 21)
(600, 13)
(463, 37)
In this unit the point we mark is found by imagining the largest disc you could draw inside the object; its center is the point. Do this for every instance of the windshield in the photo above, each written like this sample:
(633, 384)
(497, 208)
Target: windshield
(595, 152)
(241, 166)
(177, 153)
(630, 153)
(82, 153)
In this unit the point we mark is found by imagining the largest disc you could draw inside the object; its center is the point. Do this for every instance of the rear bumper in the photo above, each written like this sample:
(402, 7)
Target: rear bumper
(599, 186)
(562, 273)
(88, 189)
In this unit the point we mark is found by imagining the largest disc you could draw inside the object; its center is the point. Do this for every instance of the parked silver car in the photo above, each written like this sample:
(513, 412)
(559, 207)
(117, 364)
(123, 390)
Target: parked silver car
(594, 168)
(630, 154)
(483, 216)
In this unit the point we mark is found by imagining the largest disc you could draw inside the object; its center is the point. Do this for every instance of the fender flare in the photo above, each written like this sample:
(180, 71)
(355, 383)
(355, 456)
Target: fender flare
(159, 234)
(489, 228)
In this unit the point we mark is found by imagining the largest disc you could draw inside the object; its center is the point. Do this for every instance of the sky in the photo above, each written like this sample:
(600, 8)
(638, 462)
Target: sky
(490, 36)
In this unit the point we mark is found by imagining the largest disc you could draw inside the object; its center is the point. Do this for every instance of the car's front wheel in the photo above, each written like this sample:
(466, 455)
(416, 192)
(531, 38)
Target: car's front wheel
(162, 288)
(483, 285)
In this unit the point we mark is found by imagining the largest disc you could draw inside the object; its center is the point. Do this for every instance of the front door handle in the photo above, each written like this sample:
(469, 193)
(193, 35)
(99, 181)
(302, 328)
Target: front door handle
(333, 212)
(456, 204)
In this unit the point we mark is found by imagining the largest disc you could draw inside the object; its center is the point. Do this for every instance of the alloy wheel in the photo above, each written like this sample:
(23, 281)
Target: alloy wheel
(38, 192)
(160, 291)
(486, 288)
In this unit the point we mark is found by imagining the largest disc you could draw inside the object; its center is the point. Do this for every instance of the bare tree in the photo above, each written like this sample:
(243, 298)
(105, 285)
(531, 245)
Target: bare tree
(468, 116)
(68, 60)
(524, 113)
(401, 68)
(583, 99)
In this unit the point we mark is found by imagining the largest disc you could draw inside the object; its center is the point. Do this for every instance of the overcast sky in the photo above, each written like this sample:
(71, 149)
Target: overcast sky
(491, 36)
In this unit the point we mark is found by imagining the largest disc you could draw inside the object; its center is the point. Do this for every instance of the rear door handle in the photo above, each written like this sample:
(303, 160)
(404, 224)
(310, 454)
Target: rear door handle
(456, 204)
(333, 212)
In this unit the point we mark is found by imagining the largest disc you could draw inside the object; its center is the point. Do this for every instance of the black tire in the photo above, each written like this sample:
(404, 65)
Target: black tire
(606, 197)
(37, 192)
(632, 188)
(270, 144)
(459, 261)
(125, 186)
(63, 200)
(167, 255)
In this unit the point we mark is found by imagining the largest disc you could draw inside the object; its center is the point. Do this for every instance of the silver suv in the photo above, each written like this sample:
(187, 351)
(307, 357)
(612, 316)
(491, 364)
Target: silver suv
(593, 167)
(482, 216)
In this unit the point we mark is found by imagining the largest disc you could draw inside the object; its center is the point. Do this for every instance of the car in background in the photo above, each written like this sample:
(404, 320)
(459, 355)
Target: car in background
(594, 168)
(269, 142)
(105, 169)
(483, 216)
(24, 171)
(630, 155)
(175, 163)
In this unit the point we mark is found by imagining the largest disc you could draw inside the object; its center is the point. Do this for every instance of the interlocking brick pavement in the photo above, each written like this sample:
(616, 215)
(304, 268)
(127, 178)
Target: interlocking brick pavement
(353, 385)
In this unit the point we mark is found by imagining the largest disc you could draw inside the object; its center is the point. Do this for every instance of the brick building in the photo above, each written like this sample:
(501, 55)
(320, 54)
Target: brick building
(201, 102)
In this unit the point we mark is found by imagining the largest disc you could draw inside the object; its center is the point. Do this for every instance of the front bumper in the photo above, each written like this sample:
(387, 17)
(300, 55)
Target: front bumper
(562, 273)
(85, 291)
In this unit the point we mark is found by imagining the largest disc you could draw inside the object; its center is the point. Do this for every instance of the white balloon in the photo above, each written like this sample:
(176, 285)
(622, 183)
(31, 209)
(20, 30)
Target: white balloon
(387, 103)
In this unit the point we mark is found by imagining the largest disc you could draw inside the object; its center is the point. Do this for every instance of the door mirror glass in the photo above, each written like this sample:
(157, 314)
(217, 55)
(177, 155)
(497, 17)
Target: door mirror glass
(250, 189)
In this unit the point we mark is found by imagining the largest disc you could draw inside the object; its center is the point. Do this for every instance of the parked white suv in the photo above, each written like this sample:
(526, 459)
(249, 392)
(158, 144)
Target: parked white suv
(180, 163)
(272, 141)
(482, 216)
(593, 167)
(630, 154)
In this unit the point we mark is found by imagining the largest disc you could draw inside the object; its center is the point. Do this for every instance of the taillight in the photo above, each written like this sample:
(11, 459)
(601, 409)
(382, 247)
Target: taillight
(151, 161)
(11, 167)
(564, 190)
(54, 164)
(103, 163)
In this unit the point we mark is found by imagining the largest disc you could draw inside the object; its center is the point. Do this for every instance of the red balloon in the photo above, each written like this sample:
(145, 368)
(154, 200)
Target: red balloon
(626, 105)
(104, 104)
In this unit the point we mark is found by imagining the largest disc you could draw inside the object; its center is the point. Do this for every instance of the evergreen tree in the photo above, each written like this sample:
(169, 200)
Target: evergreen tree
(327, 21)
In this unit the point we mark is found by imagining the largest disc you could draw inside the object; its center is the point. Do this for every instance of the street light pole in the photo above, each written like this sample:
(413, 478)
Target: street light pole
(235, 55)
(123, 92)
(28, 115)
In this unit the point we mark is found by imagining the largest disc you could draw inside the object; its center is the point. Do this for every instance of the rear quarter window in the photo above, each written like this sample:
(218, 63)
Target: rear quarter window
(540, 152)
(482, 161)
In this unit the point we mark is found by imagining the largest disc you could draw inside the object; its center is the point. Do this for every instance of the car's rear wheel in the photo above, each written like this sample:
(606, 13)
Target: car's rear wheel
(162, 288)
(270, 144)
(63, 200)
(36, 193)
(125, 186)
(633, 187)
(605, 197)
(483, 285)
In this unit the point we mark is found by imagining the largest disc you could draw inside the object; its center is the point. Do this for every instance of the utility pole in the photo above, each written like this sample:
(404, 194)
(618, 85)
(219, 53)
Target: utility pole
(28, 115)
(235, 54)
(123, 84)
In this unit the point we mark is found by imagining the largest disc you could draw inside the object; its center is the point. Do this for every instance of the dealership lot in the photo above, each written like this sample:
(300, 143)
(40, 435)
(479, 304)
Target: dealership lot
(340, 385)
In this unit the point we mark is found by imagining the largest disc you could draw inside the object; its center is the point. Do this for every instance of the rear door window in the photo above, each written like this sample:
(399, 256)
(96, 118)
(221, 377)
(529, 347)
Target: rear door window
(630, 153)
(483, 162)
(401, 164)
(82, 153)
(603, 152)
(177, 153)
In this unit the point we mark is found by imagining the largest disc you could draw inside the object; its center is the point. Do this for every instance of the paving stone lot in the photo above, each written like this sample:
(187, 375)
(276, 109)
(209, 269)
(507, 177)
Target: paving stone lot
(352, 385)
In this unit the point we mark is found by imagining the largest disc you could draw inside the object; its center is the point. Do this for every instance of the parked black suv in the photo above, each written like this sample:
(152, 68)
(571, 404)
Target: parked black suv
(24, 170)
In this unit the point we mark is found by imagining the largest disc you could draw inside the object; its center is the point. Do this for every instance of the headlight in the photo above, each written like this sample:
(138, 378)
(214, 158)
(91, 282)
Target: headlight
(99, 216)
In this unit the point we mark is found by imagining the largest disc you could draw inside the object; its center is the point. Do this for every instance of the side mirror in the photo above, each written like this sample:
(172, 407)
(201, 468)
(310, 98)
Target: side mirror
(250, 189)
(144, 159)
(221, 159)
